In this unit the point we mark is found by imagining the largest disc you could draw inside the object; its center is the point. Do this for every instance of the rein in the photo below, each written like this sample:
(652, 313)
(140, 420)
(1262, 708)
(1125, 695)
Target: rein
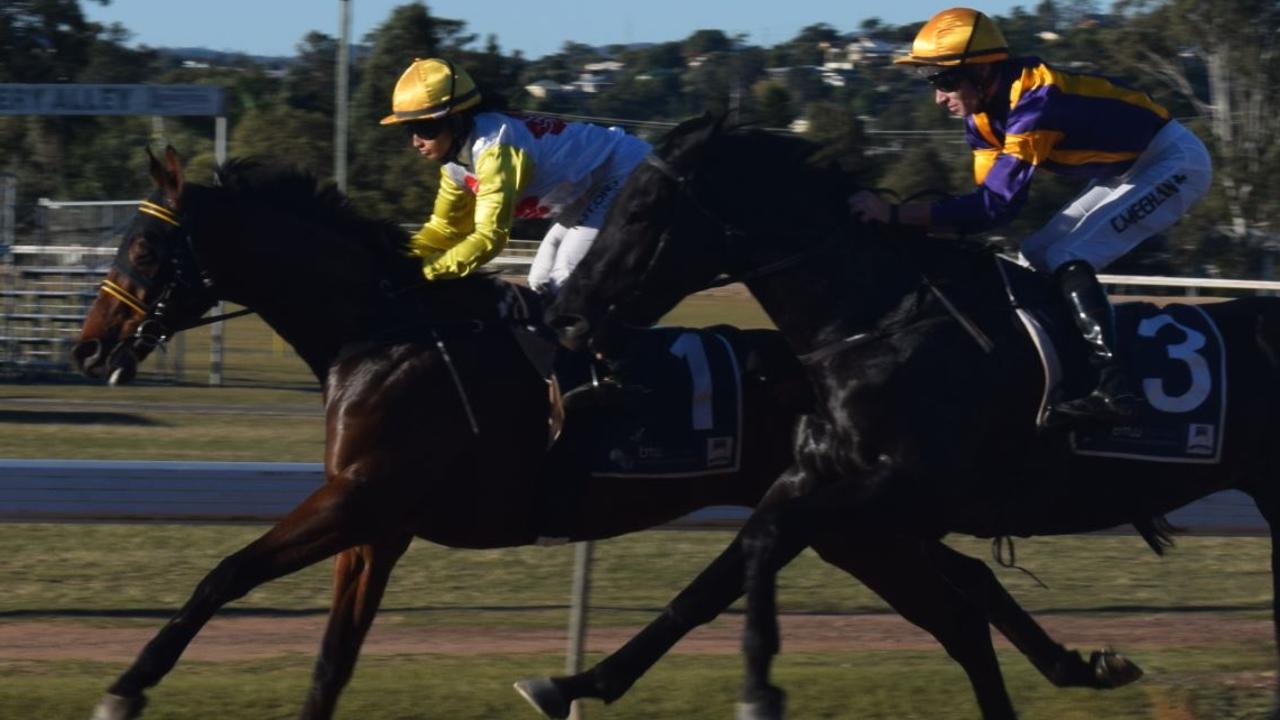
(155, 328)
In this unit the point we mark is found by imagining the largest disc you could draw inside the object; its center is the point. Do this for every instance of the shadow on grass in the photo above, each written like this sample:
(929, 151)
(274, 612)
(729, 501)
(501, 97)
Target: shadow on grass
(76, 417)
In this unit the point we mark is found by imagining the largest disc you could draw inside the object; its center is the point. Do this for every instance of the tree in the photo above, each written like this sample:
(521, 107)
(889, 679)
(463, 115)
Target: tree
(842, 137)
(43, 41)
(1233, 43)
(387, 179)
(705, 42)
(773, 105)
(309, 79)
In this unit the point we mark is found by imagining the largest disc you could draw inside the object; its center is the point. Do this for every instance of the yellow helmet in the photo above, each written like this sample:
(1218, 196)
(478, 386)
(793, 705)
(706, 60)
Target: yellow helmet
(958, 36)
(429, 89)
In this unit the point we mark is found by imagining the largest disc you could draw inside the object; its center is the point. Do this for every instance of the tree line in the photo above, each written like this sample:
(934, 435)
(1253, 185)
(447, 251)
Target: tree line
(1211, 62)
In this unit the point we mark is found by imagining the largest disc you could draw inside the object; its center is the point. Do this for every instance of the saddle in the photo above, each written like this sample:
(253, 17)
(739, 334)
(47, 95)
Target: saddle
(1175, 354)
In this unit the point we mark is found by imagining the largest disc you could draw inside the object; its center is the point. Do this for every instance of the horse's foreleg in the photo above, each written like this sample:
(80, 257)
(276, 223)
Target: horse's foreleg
(771, 538)
(360, 576)
(710, 593)
(322, 525)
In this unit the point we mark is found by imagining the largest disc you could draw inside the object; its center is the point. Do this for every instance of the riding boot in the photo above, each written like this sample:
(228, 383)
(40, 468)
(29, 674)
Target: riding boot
(1113, 401)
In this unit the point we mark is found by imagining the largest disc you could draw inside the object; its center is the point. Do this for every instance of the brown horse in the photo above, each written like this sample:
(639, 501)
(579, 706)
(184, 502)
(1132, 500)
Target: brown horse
(436, 427)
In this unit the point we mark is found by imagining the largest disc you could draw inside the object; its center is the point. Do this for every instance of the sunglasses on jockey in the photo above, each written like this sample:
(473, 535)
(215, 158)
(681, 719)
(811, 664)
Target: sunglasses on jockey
(426, 129)
(947, 80)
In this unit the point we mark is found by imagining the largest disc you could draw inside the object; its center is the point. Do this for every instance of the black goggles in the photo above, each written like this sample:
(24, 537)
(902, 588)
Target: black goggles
(947, 80)
(425, 129)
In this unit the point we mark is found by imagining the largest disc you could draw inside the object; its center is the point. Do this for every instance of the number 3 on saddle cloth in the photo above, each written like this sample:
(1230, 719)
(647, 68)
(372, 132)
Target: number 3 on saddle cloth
(680, 413)
(1175, 357)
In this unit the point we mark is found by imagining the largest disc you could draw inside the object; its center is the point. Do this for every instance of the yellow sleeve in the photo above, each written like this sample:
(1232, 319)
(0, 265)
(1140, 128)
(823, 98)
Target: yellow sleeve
(502, 172)
(452, 218)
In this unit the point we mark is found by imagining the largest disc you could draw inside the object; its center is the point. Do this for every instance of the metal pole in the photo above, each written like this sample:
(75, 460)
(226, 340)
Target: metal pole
(8, 201)
(582, 553)
(342, 78)
(216, 330)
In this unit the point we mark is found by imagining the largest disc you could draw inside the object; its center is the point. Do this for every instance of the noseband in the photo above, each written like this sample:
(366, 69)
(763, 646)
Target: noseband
(157, 325)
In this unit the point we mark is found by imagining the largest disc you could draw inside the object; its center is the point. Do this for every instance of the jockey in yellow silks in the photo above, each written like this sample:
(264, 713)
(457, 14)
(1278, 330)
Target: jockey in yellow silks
(497, 166)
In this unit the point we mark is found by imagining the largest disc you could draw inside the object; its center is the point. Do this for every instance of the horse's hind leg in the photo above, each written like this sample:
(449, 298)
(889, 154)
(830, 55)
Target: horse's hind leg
(1268, 501)
(898, 572)
(360, 576)
(1064, 668)
(325, 523)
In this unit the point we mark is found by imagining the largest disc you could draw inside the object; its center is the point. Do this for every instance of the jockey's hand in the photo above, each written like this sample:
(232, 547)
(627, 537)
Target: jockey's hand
(867, 206)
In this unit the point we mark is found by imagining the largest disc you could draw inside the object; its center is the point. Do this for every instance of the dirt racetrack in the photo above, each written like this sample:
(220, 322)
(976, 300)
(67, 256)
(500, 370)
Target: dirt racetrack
(245, 638)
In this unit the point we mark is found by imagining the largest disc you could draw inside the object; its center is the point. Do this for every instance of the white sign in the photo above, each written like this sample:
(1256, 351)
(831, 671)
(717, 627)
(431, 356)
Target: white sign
(78, 99)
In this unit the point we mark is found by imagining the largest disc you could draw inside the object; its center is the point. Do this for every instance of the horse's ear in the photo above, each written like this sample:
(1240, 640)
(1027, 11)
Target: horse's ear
(167, 174)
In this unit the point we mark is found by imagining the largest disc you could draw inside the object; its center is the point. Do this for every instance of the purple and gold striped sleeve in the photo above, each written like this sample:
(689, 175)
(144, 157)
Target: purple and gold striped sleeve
(1002, 183)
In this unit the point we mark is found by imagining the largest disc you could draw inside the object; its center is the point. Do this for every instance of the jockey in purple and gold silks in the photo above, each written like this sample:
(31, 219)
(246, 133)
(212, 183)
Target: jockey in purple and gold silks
(1082, 126)
(1144, 170)
(497, 166)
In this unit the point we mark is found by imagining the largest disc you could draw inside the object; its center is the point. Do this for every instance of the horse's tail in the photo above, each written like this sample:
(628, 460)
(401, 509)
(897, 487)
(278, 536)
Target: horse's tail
(1158, 532)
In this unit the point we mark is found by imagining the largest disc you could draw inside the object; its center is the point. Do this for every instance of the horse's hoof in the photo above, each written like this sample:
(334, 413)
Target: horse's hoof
(117, 707)
(770, 707)
(1113, 670)
(543, 694)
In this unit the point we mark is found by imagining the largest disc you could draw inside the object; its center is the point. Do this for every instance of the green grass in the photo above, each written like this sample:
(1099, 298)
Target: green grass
(150, 569)
(845, 686)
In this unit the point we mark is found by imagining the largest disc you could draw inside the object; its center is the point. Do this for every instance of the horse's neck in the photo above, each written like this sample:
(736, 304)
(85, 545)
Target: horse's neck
(316, 316)
(833, 297)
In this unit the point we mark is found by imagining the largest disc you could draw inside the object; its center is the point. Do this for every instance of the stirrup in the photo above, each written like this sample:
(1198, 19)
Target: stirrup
(1096, 408)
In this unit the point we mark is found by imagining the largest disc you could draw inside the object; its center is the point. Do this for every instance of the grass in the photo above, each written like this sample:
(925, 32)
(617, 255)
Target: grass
(899, 685)
(148, 571)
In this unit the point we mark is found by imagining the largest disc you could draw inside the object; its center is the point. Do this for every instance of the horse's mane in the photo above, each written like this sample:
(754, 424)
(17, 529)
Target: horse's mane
(259, 184)
(281, 187)
(792, 163)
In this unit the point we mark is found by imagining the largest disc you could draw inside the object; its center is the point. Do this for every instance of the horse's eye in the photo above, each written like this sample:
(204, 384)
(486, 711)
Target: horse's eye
(142, 252)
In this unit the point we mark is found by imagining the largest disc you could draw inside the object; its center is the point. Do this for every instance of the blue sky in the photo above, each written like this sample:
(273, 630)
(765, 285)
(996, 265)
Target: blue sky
(536, 27)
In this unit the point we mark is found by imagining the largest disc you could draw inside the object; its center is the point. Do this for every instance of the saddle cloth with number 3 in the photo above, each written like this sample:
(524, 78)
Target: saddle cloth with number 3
(1176, 358)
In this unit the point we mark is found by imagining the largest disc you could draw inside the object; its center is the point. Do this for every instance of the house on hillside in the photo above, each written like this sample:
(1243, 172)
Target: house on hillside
(543, 89)
(598, 76)
(862, 50)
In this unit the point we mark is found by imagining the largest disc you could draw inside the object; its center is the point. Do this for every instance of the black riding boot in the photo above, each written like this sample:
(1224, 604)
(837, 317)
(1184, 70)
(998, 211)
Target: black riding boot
(1113, 402)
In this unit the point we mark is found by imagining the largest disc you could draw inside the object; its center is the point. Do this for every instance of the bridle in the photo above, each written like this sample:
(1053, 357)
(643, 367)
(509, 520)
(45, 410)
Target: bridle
(179, 271)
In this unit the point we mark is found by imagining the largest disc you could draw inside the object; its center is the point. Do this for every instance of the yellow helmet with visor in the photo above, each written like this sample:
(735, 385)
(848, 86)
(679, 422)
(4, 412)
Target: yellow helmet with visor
(431, 89)
(957, 36)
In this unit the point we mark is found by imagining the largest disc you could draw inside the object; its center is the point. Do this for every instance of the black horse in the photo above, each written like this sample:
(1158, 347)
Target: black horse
(928, 385)
(437, 427)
